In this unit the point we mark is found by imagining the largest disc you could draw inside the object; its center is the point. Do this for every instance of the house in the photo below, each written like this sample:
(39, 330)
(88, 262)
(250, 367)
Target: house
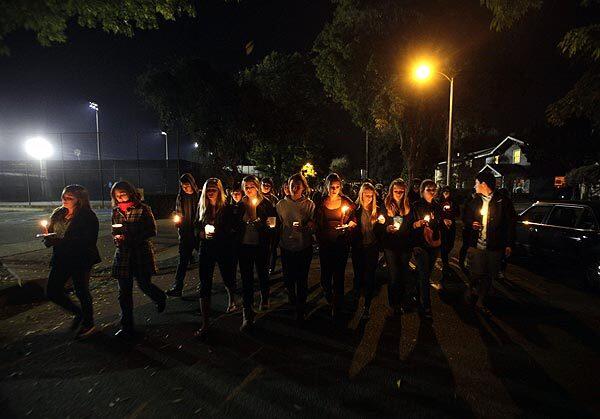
(507, 161)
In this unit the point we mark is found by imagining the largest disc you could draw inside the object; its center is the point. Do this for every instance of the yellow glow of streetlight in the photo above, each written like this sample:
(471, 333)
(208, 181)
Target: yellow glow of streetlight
(422, 72)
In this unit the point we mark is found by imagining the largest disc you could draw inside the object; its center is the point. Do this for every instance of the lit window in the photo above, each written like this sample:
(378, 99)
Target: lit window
(517, 155)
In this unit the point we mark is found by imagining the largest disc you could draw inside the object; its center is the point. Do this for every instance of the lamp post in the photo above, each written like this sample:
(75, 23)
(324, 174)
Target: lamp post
(423, 72)
(94, 106)
(166, 145)
(39, 148)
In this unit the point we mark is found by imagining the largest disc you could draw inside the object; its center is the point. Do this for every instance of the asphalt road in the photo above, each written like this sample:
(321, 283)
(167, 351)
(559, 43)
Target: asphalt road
(535, 355)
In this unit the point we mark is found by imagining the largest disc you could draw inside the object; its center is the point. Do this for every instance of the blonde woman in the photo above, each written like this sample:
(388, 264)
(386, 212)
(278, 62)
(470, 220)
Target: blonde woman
(394, 236)
(217, 226)
(74, 252)
(255, 239)
(365, 246)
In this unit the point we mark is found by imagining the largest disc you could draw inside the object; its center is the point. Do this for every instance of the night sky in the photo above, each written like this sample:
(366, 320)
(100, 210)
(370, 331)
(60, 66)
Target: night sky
(507, 79)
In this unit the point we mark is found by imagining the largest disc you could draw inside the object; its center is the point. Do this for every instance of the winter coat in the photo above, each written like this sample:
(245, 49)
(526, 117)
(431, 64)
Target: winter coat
(501, 223)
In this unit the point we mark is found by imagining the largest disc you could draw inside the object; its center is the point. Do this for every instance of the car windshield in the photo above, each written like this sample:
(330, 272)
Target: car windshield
(587, 220)
(536, 214)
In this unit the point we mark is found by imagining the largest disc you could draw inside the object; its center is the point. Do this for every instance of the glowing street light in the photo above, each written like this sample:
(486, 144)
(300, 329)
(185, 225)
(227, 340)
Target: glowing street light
(39, 148)
(423, 72)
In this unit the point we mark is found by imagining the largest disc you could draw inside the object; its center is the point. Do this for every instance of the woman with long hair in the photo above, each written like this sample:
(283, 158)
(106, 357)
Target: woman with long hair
(426, 237)
(217, 235)
(73, 235)
(334, 217)
(365, 247)
(296, 213)
(186, 209)
(133, 227)
(394, 235)
(254, 247)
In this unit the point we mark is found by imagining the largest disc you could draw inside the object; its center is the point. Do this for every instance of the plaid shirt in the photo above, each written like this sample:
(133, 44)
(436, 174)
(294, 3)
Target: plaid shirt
(136, 254)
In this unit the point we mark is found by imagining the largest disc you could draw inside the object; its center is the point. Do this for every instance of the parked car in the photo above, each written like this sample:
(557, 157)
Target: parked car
(563, 232)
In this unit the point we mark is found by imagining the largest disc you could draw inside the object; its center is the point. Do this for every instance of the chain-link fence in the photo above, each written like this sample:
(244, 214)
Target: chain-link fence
(145, 159)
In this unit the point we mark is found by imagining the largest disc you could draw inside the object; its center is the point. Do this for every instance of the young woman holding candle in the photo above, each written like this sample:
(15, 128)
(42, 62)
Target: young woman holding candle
(74, 252)
(255, 239)
(365, 247)
(450, 212)
(218, 227)
(425, 220)
(186, 209)
(134, 253)
(394, 235)
(296, 214)
(334, 217)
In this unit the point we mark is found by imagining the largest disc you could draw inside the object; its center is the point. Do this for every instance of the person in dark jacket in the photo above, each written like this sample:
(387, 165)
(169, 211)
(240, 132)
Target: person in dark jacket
(414, 193)
(426, 222)
(493, 218)
(394, 236)
(450, 212)
(268, 192)
(466, 238)
(365, 246)
(186, 210)
(133, 227)
(334, 218)
(218, 226)
(73, 233)
(258, 217)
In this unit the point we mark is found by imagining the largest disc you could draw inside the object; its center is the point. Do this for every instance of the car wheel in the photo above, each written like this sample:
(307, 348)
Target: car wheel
(592, 275)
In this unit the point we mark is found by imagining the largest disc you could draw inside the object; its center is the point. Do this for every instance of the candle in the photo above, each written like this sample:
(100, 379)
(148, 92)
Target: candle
(296, 224)
(271, 222)
(117, 229)
(177, 218)
(447, 207)
(484, 214)
(381, 219)
(254, 201)
(427, 218)
(209, 229)
(344, 210)
(398, 222)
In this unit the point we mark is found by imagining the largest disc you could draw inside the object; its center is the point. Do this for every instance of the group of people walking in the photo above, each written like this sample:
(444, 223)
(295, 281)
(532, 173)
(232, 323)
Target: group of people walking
(247, 225)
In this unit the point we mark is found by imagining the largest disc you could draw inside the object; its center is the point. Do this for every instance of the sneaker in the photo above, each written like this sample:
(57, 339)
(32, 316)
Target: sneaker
(173, 292)
(75, 323)
(84, 332)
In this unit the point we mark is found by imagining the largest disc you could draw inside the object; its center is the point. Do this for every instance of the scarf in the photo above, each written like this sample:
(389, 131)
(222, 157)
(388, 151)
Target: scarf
(124, 206)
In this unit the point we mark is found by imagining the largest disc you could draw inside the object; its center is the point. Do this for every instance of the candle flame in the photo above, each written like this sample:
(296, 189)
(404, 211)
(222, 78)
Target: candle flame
(484, 211)
(44, 223)
(254, 201)
(176, 219)
(427, 218)
(344, 209)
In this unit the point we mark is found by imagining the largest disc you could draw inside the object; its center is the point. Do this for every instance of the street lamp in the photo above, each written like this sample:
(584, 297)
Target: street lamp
(166, 145)
(39, 148)
(422, 73)
(94, 106)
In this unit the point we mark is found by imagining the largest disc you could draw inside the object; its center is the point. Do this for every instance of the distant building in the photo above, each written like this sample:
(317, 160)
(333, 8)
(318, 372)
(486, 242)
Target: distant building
(507, 161)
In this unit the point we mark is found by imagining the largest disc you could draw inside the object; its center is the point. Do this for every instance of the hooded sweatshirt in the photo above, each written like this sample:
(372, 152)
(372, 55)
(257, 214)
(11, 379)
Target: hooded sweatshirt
(290, 211)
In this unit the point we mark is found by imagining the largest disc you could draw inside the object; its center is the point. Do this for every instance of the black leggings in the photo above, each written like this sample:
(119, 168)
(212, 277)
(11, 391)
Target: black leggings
(55, 291)
(366, 263)
(186, 250)
(448, 237)
(211, 255)
(333, 258)
(295, 272)
(249, 257)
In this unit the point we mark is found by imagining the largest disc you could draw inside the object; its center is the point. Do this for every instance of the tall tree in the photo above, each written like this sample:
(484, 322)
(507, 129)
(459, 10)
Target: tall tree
(207, 104)
(292, 117)
(357, 61)
(49, 18)
(580, 43)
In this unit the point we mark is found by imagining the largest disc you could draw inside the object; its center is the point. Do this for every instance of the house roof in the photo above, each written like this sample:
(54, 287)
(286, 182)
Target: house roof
(506, 169)
(490, 151)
